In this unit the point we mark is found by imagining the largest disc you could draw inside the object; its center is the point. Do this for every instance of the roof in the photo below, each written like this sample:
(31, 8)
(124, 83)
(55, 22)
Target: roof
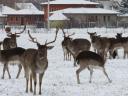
(25, 6)
(124, 15)
(7, 10)
(58, 16)
(87, 11)
(70, 2)
(28, 11)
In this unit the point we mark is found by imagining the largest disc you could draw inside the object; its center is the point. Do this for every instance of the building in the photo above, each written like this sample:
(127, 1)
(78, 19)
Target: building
(62, 4)
(90, 17)
(29, 15)
(123, 20)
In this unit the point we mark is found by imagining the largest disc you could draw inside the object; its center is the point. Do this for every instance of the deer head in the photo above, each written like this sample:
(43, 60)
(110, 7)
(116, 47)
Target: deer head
(42, 49)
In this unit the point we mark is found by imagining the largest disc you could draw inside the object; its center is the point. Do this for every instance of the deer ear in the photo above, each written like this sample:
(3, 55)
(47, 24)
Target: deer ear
(88, 32)
(17, 35)
(50, 47)
(8, 35)
(38, 44)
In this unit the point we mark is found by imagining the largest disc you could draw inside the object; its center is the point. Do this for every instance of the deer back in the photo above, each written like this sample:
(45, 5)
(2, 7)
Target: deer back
(89, 56)
(11, 54)
(77, 45)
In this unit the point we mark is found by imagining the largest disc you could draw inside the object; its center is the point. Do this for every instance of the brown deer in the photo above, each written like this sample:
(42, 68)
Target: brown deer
(12, 54)
(67, 54)
(90, 60)
(75, 46)
(35, 62)
(121, 42)
(102, 44)
(11, 42)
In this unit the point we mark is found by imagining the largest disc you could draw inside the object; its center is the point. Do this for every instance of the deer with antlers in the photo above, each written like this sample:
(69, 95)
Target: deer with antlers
(75, 46)
(11, 42)
(35, 62)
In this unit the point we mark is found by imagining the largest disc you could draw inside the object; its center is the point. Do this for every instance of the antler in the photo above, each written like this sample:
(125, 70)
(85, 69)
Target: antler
(22, 30)
(71, 34)
(63, 32)
(33, 39)
(57, 29)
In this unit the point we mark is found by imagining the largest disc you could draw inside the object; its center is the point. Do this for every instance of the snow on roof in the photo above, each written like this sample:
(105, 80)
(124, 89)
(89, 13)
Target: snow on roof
(70, 2)
(25, 6)
(7, 10)
(58, 16)
(28, 11)
(87, 11)
(1, 15)
(124, 15)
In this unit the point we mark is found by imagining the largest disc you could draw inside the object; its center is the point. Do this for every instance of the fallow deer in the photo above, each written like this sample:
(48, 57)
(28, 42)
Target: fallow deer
(11, 42)
(35, 62)
(90, 60)
(102, 44)
(75, 46)
(67, 54)
(123, 42)
(12, 54)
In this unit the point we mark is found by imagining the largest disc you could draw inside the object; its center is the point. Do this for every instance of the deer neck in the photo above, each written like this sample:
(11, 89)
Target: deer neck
(71, 47)
(41, 64)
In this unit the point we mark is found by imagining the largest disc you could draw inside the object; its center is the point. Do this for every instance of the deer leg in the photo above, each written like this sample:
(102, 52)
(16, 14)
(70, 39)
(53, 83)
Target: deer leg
(105, 73)
(35, 81)
(78, 72)
(74, 61)
(8, 71)
(91, 72)
(20, 68)
(125, 54)
(3, 71)
(27, 78)
(6, 68)
(40, 82)
(31, 83)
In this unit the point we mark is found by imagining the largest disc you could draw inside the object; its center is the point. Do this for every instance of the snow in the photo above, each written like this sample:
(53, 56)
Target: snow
(60, 77)
(87, 11)
(26, 6)
(70, 2)
(58, 16)
(28, 12)
(8, 10)
(124, 15)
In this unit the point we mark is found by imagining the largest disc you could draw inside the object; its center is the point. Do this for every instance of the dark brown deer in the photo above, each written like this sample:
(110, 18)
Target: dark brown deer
(75, 46)
(11, 42)
(35, 62)
(90, 60)
(12, 54)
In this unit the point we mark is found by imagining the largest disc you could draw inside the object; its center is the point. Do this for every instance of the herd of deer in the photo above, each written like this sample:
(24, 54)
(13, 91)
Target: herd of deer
(34, 61)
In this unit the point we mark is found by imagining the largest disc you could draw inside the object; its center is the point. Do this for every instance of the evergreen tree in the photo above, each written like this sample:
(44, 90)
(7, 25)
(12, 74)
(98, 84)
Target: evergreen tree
(124, 6)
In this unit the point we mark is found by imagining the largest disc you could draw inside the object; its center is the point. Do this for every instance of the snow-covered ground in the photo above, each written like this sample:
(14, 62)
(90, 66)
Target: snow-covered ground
(60, 77)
